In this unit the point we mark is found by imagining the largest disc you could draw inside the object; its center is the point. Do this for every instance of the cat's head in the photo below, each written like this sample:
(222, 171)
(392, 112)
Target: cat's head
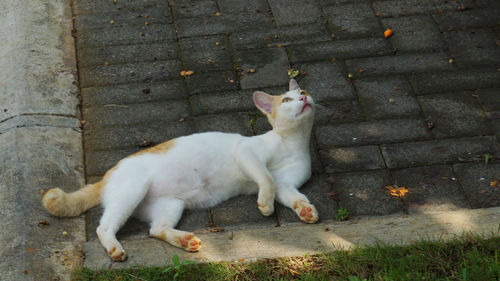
(288, 110)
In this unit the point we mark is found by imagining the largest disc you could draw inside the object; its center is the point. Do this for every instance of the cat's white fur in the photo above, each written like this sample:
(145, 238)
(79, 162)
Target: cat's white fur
(202, 170)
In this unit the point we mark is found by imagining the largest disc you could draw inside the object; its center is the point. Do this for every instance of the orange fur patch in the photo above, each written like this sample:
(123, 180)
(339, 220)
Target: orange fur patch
(277, 101)
(304, 92)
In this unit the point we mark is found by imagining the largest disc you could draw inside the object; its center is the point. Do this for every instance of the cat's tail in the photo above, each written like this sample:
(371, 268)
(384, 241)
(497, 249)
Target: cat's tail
(62, 204)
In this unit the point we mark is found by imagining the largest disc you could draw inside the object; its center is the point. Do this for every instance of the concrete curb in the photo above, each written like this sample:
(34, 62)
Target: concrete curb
(250, 244)
(40, 139)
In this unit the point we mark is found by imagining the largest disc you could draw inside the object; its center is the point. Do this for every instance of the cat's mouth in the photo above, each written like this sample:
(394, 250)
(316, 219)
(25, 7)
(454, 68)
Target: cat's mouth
(305, 107)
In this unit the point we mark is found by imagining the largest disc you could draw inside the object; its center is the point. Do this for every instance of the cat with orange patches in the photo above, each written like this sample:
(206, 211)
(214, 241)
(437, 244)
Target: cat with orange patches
(200, 171)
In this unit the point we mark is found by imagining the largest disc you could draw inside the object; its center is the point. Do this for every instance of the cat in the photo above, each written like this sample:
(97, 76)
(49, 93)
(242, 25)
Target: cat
(200, 171)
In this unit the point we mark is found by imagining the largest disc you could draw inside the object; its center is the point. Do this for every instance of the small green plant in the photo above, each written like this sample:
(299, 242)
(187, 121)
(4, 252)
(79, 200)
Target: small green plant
(178, 266)
(487, 158)
(342, 214)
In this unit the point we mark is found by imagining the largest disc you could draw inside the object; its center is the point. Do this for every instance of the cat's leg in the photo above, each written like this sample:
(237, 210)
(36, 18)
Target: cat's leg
(298, 202)
(164, 213)
(121, 196)
(258, 172)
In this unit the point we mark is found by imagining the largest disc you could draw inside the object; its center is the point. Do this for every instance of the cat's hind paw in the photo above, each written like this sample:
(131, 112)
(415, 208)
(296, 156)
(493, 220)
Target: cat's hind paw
(266, 209)
(189, 242)
(306, 211)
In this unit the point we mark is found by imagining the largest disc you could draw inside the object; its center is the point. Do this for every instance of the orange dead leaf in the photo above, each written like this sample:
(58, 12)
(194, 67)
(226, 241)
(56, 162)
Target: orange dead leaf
(186, 73)
(388, 33)
(31, 250)
(397, 191)
(495, 183)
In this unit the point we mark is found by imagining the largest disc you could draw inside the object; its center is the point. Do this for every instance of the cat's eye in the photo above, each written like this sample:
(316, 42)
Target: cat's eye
(303, 93)
(286, 99)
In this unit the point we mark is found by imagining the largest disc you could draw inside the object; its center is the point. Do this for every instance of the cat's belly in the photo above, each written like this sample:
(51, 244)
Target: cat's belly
(198, 192)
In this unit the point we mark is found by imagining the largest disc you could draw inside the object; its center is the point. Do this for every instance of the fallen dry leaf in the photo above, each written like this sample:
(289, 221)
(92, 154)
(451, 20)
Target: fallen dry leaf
(31, 250)
(217, 14)
(185, 73)
(43, 223)
(388, 33)
(397, 191)
(251, 70)
(216, 229)
(495, 183)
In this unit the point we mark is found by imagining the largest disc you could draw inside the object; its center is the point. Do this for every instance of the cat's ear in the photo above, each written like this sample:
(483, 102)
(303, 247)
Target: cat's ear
(293, 85)
(263, 101)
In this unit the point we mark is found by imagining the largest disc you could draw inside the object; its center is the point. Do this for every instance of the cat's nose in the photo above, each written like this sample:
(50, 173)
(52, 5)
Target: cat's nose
(303, 98)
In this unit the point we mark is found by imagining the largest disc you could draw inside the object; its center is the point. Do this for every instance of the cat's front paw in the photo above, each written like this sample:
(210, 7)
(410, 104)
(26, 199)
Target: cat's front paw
(117, 254)
(306, 211)
(266, 209)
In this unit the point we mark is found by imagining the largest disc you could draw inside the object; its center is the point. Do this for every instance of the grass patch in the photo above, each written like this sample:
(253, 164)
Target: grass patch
(464, 258)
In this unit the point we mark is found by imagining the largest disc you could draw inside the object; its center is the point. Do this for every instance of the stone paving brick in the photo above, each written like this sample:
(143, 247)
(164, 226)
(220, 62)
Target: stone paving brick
(193, 8)
(123, 18)
(470, 18)
(106, 6)
(103, 75)
(270, 67)
(414, 33)
(409, 7)
(288, 12)
(339, 49)
(222, 102)
(134, 93)
(454, 115)
(304, 33)
(125, 35)
(347, 159)
(326, 81)
(205, 26)
(278, 37)
(489, 98)
(212, 82)
(448, 81)
(255, 39)
(238, 6)
(398, 64)
(364, 193)
(474, 47)
(240, 211)
(110, 115)
(495, 121)
(353, 20)
(325, 3)
(387, 97)
(206, 53)
(227, 123)
(365, 133)
(128, 53)
(445, 151)
(431, 188)
(487, 3)
(259, 124)
(98, 162)
(330, 112)
(316, 190)
(476, 180)
(136, 135)
(195, 220)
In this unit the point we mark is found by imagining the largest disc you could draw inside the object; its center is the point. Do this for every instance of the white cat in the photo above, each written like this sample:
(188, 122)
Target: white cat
(202, 170)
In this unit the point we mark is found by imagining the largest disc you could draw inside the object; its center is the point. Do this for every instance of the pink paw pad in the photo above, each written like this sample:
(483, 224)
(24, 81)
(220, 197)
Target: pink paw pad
(190, 243)
(305, 211)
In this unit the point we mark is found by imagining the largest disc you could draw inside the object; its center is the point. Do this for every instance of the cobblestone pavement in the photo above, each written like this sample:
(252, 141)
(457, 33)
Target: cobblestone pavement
(420, 109)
